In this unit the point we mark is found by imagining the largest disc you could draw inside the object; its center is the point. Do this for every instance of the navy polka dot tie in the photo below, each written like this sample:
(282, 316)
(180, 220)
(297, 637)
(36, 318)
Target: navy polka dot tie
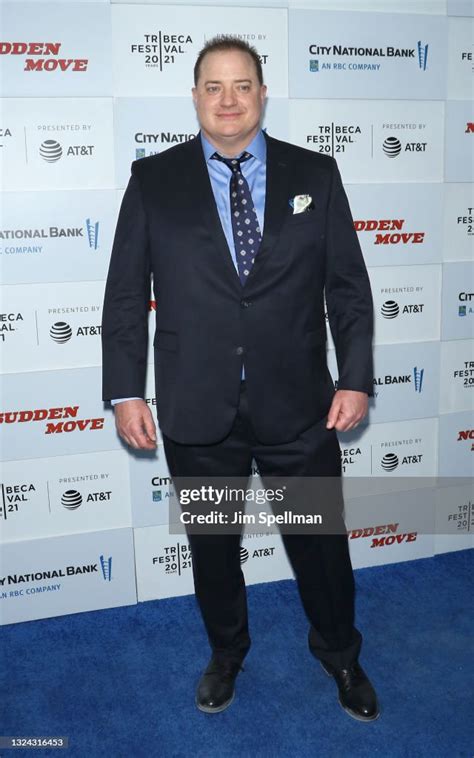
(245, 226)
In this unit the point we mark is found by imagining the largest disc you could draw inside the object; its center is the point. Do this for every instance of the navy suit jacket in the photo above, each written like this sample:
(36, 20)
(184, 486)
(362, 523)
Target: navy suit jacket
(207, 323)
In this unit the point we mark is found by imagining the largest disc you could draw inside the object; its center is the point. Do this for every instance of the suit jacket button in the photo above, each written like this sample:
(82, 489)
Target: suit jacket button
(245, 303)
(239, 350)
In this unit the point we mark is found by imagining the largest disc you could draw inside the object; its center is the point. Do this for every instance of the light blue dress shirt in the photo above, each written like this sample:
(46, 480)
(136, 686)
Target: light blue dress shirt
(254, 171)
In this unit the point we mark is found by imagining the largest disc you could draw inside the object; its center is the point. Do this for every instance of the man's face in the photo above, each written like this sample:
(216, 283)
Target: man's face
(229, 98)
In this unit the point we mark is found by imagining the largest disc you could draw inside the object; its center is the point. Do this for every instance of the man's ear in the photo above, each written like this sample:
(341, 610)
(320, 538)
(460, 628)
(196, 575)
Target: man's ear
(194, 94)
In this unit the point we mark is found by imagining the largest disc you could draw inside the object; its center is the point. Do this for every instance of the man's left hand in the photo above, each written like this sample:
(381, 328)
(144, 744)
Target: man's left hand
(347, 409)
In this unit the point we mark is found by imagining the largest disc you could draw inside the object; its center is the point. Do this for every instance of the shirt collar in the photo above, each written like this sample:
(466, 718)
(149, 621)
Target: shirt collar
(257, 147)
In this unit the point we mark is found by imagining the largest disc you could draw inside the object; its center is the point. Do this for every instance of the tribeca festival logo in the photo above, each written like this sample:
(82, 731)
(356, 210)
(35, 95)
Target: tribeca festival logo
(162, 49)
(465, 297)
(8, 324)
(4, 133)
(106, 566)
(334, 138)
(466, 220)
(392, 229)
(465, 374)
(43, 56)
(372, 56)
(12, 497)
(175, 559)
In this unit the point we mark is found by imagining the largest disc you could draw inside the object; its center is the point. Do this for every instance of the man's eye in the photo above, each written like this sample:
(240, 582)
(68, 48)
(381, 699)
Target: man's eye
(244, 87)
(212, 90)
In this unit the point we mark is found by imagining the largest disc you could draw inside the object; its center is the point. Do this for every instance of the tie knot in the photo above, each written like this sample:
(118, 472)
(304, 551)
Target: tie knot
(232, 163)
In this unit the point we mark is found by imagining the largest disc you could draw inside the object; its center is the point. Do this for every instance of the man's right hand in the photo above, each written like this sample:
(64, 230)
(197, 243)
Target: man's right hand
(135, 424)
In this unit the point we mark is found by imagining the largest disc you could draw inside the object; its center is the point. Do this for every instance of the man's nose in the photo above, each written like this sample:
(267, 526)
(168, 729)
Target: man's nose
(228, 97)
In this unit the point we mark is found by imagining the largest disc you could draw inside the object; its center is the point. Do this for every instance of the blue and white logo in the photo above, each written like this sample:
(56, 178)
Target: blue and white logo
(92, 233)
(106, 566)
(422, 55)
(418, 374)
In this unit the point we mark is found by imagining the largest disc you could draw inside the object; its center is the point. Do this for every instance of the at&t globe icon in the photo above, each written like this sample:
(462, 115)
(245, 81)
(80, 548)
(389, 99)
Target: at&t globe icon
(392, 147)
(60, 332)
(390, 309)
(71, 499)
(50, 150)
(389, 462)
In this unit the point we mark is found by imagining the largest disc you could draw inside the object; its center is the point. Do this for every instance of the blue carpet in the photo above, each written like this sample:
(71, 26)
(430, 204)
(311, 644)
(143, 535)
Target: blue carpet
(120, 682)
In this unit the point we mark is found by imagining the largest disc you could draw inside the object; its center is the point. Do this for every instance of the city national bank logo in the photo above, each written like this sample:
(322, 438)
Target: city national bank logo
(383, 535)
(157, 140)
(349, 58)
(465, 297)
(92, 229)
(466, 435)
(389, 232)
(164, 483)
(161, 49)
(58, 420)
(89, 232)
(175, 559)
(414, 379)
(106, 566)
(17, 580)
(43, 56)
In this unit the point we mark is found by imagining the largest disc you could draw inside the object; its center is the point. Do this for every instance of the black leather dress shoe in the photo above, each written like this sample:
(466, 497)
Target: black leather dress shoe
(356, 694)
(216, 688)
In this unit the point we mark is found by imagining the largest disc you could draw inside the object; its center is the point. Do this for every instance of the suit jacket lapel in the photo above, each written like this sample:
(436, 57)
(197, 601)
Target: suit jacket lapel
(276, 202)
(202, 198)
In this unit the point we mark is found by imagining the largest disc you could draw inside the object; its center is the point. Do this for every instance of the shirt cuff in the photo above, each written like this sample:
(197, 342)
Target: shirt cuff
(124, 400)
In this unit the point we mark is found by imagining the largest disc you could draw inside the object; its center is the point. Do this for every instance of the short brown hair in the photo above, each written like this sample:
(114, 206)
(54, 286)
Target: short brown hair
(228, 42)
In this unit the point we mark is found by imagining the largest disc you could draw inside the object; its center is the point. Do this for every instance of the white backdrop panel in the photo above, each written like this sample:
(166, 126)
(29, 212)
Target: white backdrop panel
(374, 140)
(456, 444)
(150, 486)
(56, 143)
(368, 56)
(398, 224)
(459, 141)
(458, 301)
(72, 58)
(388, 6)
(458, 222)
(64, 495)
(460, 58)
(406, 303)
(414, 443)
(461, 7)
(403, 544)
(51, 328)
(457, 376)
(87, 572)
(154, 53)
(55, 413)
(454, 518)
(56, 236)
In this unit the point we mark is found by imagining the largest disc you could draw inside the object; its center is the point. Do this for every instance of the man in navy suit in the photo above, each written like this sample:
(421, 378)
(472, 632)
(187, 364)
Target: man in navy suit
(244, 235)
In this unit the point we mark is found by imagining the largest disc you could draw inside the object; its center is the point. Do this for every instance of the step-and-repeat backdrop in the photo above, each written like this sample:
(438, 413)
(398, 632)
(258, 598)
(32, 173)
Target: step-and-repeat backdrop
(385, 87)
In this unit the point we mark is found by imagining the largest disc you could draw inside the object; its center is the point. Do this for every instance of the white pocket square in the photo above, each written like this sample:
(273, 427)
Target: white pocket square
(301, 203)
